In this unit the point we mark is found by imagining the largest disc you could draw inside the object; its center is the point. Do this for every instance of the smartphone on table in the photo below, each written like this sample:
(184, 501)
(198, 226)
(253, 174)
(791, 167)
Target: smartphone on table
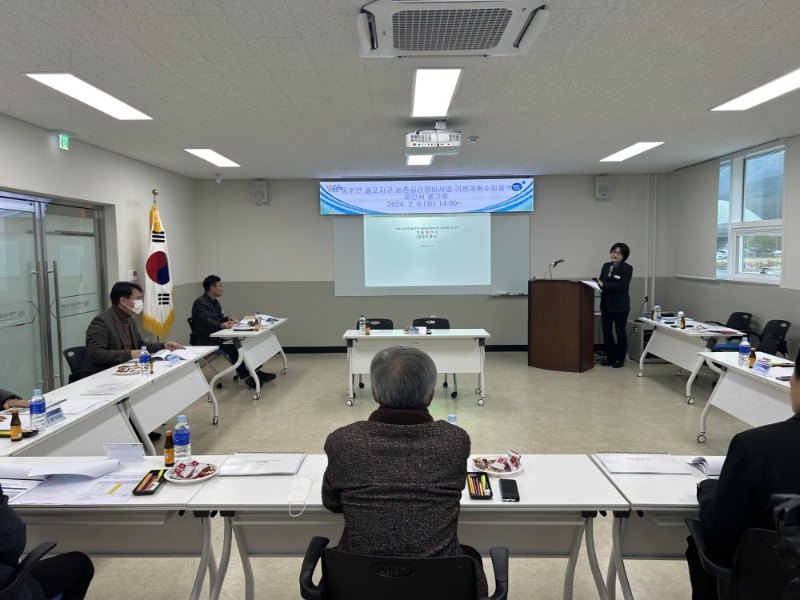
(509, 492)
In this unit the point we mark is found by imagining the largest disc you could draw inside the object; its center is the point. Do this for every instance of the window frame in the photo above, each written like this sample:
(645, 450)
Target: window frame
(739, 229)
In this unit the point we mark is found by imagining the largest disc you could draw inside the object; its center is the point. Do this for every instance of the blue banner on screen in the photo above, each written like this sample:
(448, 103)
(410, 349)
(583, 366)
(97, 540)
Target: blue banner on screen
(429, 196)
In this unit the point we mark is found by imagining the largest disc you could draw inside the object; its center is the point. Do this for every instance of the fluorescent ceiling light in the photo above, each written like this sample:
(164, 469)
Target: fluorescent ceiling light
(70, 85)
(625, 154)
(212, 157)
(768, 91)
(433, 91)
(419, 160)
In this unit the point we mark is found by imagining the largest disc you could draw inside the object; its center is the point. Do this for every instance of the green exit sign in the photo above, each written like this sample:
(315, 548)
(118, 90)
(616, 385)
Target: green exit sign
(63, 141)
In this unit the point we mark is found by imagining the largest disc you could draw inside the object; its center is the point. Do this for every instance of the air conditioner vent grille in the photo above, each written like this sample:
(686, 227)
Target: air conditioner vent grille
(449, 30)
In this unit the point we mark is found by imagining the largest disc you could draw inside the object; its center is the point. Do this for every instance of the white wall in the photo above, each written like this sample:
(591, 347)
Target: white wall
(691, 242)
(31, 162)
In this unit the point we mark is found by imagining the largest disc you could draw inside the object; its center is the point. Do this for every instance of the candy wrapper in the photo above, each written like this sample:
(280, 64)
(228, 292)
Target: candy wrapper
(192, 470)
(502, 464)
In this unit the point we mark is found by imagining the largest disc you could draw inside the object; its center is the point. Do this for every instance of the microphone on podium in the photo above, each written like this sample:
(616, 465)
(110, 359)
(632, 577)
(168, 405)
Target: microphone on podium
(552, 266)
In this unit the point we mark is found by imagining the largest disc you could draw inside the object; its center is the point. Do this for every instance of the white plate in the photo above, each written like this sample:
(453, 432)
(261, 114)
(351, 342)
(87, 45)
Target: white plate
(133, 371)
(170, 477)
(473, 467)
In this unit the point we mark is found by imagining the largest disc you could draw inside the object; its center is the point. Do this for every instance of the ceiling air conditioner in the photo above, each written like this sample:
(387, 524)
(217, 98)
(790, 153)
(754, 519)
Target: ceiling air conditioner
(433, 141)
(392, 28)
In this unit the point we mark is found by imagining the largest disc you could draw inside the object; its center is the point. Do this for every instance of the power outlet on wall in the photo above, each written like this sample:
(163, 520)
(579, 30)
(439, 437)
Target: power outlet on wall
(133, 274)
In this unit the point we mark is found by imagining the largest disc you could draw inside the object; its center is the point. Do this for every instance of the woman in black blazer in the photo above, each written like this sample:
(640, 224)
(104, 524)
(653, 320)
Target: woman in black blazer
(615, 304)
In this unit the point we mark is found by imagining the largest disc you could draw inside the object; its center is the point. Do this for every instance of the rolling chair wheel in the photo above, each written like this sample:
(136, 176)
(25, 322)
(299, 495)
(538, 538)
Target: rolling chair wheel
(701, 438)
(690, 400)
(361, 385)
(256, 396)
(454, 394)
(444, 384)
(679, 372)
(219, 386)
(283, 371)
(236, 378)
(349, 402)
(480, 401)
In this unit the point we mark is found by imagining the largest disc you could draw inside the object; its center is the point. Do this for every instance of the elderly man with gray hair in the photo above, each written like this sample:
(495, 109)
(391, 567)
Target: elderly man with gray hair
(398, 476)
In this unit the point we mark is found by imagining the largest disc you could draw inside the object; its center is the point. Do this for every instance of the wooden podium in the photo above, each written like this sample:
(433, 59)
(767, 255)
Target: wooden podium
(560, 325)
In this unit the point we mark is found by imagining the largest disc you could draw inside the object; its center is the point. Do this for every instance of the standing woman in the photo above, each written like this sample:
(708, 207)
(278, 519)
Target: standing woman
(615, 304)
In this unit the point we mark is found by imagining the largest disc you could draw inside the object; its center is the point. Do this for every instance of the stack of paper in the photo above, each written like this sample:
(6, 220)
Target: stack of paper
(642, 462)
(262, 463)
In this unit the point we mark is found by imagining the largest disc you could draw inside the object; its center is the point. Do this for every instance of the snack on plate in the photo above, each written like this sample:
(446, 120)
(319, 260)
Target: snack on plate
(128, 369)
(502, 464)
(192, 470)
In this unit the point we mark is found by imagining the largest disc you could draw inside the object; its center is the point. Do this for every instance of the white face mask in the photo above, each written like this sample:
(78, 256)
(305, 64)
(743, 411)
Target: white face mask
(138, 306)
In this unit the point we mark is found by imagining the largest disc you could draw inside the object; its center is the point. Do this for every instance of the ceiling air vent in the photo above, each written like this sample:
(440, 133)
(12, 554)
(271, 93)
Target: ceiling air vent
(391, 28)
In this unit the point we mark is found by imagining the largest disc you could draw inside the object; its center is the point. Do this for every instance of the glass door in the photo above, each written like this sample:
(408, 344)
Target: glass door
(73, 282)
(50, 287)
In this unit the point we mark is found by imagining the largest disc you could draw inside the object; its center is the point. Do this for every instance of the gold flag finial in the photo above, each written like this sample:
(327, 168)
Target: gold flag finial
(155, 193)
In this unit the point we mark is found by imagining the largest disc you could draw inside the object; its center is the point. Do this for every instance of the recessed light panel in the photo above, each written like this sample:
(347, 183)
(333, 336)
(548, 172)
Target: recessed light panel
(768, 91)
(213, 157)
(433, 91)
(68, 84)
(631, 151)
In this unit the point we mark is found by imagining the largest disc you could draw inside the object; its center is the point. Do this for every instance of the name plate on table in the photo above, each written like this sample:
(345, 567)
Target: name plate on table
(762, 366)
(54, 415)
(172, 360)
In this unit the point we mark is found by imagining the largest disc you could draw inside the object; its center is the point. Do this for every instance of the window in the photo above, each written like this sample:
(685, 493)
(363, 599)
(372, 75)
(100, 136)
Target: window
(750, 216)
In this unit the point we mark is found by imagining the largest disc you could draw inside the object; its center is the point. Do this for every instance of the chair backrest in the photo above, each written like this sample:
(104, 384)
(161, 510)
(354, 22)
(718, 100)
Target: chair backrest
(348, 576)
(378, 323)
(739, 320)
(758, 571)
(191, 331)
(773, 338)
(23, 569)
(432, 323)
(76, 357)
(777, 328)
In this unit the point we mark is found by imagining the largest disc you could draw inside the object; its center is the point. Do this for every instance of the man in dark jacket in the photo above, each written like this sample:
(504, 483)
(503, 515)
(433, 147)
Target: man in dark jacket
(760, 462)
(397, 478)
(208, 318)
(112, 337)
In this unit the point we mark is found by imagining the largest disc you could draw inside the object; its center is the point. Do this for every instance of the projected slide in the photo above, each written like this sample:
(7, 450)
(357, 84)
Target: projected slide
(427, 251)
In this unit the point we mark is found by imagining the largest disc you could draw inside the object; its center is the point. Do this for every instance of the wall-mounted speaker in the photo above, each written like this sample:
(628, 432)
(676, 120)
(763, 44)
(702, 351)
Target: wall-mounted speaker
(260, 196)
(602, 187)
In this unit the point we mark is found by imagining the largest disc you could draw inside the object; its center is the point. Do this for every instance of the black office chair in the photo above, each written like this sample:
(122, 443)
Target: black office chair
(23, 569)
(76, 359)
(361, 577)
(433, 322)
(739, 321)
(757, 573)
(772, 338)
(208, 359)
(375, 323)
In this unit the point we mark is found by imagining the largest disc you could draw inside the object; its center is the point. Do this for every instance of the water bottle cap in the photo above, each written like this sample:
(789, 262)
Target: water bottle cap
(37, 392)
(143, 348)
(181, 418)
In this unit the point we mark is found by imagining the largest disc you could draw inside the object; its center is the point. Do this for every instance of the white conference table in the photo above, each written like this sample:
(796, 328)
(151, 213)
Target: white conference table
(560, 496)
(452, 351)
(653, 526)
(144, 526)
(143, 404)
(255, 348)
(680, 346)
(755, 399)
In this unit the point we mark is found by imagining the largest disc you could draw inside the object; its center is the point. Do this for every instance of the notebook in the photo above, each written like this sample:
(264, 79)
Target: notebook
(642, 462)
(262, 463)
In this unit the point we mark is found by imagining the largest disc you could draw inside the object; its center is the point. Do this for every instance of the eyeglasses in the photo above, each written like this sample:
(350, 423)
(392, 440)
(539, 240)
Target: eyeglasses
(616, 252)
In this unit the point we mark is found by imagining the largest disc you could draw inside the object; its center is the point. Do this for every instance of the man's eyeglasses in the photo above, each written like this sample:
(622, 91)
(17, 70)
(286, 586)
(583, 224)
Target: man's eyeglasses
(616, 252)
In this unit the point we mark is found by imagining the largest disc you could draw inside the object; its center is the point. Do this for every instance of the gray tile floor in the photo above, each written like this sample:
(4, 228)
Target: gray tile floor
(529, 410)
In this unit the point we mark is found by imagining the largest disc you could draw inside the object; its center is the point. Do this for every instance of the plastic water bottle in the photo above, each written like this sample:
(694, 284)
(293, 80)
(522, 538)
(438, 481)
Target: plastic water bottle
(744, 352)
(144, 361)
(37, 410)
(657, 313)
(681, 318)
(182, 438)
(362, 326)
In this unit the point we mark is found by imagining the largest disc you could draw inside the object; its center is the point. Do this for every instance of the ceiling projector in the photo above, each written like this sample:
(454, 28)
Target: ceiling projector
(433, 141)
